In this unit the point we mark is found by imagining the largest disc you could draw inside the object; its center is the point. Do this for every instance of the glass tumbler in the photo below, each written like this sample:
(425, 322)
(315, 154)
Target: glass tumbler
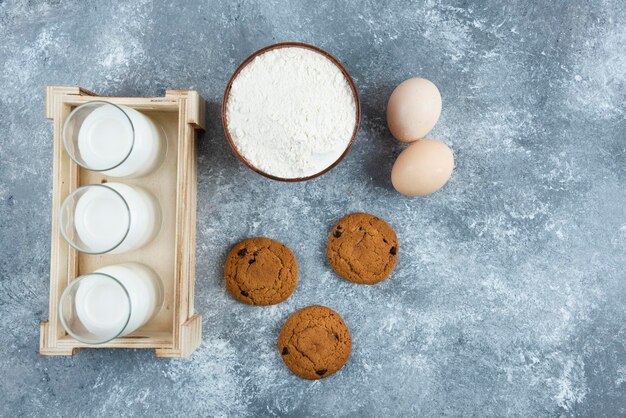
(111, 302)
(115, 140)
(109, 218)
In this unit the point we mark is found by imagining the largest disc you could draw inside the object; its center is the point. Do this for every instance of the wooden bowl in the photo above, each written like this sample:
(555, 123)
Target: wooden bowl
(290, 45)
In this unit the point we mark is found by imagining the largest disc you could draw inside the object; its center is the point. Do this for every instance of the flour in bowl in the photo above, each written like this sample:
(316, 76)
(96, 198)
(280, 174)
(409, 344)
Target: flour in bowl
(291, 112)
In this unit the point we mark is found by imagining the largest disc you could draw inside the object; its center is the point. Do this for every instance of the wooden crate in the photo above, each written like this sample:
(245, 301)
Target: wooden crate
(176, 329)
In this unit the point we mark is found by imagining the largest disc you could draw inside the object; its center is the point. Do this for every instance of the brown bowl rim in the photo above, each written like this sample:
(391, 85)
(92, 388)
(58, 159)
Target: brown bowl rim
(263, 50)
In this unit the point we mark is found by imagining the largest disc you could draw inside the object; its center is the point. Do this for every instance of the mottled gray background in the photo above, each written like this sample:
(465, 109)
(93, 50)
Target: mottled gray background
(509, 296)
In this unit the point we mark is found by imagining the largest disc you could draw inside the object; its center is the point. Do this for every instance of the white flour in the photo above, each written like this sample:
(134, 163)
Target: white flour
(291, 112)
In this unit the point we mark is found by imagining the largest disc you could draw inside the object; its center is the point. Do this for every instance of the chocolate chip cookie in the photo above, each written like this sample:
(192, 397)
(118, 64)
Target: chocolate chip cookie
(261, 271)
(314, 342)
(362, 248)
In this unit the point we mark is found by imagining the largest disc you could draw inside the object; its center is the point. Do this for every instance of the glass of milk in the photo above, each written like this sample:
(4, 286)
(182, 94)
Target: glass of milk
(111, 302)
(109, 218)
(115, 140)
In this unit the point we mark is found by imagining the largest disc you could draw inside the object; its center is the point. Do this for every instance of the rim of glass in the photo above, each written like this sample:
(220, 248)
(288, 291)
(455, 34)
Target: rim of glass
(66, 202)
(102, 102)
(75, 283)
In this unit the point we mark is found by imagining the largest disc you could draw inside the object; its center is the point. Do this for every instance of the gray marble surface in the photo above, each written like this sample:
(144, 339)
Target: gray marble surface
(509, 296)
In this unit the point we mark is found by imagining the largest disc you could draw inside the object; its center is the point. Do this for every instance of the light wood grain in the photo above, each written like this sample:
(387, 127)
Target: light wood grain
(176, 330)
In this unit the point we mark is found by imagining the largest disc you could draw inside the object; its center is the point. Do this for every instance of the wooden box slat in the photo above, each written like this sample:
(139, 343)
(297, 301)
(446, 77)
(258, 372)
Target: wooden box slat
(176, 329)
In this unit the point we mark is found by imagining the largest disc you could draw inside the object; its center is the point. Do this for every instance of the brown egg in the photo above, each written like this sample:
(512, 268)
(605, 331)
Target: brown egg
(413, 109)
(422, 168)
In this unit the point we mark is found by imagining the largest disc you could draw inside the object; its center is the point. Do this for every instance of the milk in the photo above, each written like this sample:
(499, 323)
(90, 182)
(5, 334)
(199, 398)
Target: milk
(106, 142)
(107, 310)
(105, 221)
